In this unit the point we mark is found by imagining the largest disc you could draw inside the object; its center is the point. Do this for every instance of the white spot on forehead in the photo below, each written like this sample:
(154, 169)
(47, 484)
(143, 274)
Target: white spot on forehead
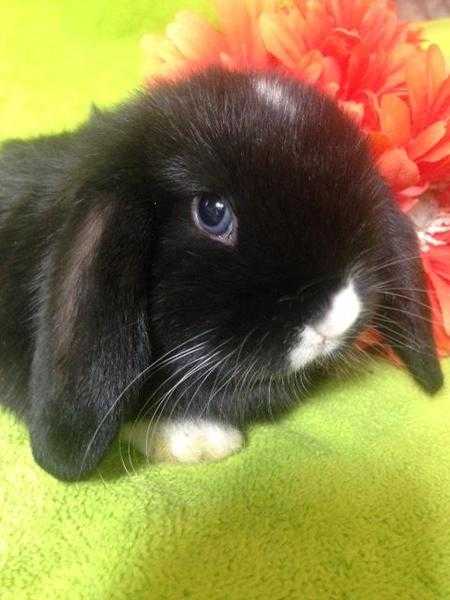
(322, 337)
(274, 94)
(271, 91)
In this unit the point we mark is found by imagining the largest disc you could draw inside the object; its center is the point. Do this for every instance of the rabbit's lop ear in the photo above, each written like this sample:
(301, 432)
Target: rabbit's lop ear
(92, 336)
(405, 317)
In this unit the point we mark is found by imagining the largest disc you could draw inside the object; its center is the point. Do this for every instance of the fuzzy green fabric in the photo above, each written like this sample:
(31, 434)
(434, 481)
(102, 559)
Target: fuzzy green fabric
(347, 498)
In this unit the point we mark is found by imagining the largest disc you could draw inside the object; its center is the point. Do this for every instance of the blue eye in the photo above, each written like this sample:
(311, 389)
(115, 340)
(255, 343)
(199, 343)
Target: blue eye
(215, 216)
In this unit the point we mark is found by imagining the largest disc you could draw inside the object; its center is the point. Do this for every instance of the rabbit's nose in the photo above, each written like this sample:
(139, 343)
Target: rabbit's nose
(343, 313)
(324, 336)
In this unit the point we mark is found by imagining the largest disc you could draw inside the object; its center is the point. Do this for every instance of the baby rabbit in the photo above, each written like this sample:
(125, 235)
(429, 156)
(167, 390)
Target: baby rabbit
(182, 262)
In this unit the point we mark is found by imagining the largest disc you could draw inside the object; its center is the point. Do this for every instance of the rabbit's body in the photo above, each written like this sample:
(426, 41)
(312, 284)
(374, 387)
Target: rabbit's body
(189, 257)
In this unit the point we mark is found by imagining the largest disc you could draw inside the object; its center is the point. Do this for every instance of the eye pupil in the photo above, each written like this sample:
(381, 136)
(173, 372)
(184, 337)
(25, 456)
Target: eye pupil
(211, 211)
(214, 215)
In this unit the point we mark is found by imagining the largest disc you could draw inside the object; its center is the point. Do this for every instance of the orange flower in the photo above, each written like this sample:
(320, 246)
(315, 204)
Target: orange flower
(345, 47)
(359, 45)
(412, 143)
(361, 54)
(190, 42)
(416, 127)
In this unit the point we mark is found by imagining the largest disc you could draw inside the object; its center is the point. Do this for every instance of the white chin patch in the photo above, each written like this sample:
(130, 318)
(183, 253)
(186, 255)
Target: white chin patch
(324, 336)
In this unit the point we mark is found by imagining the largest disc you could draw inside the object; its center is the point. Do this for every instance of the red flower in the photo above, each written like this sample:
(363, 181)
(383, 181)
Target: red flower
(412, 143)
(360, 53)
(412, 135)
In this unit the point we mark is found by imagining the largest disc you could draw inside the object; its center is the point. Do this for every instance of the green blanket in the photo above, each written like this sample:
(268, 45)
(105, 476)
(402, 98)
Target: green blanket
(347, 498)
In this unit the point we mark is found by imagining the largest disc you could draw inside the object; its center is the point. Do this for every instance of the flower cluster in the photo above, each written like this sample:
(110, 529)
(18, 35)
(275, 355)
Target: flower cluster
(374, 66)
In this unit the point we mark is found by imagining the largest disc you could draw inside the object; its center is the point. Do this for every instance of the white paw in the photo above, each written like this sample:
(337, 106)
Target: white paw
(184, 441)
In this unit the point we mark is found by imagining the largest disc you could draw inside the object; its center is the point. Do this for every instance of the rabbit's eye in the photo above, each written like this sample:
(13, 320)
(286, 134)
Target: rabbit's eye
(214, 215)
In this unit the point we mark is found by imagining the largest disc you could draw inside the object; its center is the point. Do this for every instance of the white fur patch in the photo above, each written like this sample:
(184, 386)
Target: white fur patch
(273, 94)
(269, 91)
(345, 309)
(190, 441)
(324, 336)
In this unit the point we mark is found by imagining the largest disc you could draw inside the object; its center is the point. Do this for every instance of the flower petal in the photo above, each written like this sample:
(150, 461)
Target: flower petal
(439, 153)
(439, 259)
(357, 67)
(379, 143)
(437, 71)
(414, 191)
(427, 139)
(441, 105)
(194, 38)
(239, 24)
(398, 169)
(436, 171)
(355, 110)
(442, 290)
(279, 40)
(441, 335)
(317, 24)
(416, 80)
(395, 119)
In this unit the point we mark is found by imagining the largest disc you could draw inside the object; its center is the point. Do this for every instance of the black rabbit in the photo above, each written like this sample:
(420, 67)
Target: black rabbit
(188, 257)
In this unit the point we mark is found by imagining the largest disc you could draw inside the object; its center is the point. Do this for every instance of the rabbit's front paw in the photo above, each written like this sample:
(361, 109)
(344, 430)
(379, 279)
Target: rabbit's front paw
(189, 441)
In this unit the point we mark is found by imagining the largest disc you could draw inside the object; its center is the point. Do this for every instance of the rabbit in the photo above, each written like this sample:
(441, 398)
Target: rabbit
(177, 266)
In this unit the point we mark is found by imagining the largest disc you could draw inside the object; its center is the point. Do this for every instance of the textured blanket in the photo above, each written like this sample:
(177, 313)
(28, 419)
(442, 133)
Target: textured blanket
(348, 497)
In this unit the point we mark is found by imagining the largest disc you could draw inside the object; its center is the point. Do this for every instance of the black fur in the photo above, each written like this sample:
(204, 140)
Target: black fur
(103, 271)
